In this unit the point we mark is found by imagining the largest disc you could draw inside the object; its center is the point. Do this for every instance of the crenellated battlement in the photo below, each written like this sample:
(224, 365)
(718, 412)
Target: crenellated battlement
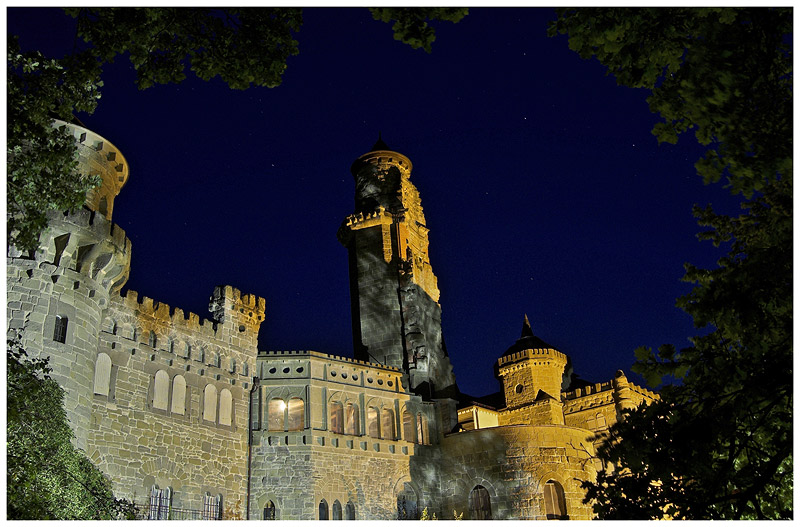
(167, 315)
(361, 220)
(588, 390)
(538, 353)
(309, 353)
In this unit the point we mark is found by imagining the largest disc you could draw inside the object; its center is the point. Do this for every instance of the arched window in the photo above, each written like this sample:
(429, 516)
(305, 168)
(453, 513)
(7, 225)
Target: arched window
(337, 511)
(323, 510)
(350, 511)
(201, 355)
(212, 507)
(269, 511)
(187, 351)
(480, 507)
(373, 428)
(102, 374)
(225, 407)
(60, 329)
(351, 424)
(160, 500)
(110, 326)
(170, 345)
(554, 503)
(161, 390)
(337, 418)
(407, 503)
(232, 365)
(152, 339)
(210, 403)
(387, 424)
(276, 417)
(296, 414)
(178, 395)
(245, 369)
(408, 426)
(216, 360)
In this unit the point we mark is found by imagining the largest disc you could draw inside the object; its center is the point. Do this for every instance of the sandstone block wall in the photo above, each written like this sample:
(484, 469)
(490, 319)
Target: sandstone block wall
(513, 463)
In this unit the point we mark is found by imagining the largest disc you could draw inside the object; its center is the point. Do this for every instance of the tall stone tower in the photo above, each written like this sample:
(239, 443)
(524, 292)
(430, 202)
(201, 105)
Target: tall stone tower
(394, 295)
(58, 294)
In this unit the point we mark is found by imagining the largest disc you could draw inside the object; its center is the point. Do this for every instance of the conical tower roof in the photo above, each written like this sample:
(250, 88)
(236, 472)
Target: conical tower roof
(527, 340)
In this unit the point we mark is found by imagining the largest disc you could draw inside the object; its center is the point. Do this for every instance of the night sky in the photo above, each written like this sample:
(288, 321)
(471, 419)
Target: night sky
(544, 189)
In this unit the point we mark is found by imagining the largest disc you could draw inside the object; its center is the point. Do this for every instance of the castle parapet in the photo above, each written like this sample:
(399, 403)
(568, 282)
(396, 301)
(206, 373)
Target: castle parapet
(533, 354)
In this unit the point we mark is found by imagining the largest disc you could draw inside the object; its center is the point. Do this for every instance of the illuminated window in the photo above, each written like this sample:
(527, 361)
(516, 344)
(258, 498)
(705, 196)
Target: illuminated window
(554, 502)
(60, 329)
(102, 374)
(408, 427)
(422, 430)
(225, 407)
(373, 428)
(161, 390)
(296, 414)
(480, 507)
(178, 395)
(351, 424)
(387, 424)
(276, 411)
(336, 510)
(337, 418)
(323, 510)
(210, 403)
(269, 511)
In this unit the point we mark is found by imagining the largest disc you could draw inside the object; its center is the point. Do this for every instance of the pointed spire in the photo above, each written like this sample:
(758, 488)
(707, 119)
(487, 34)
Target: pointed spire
(527, 331)
(380, 145)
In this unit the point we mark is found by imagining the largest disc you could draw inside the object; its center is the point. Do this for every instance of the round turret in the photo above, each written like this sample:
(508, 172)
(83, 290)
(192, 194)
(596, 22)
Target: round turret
(378, 175)
(530, 368)
(57, 296)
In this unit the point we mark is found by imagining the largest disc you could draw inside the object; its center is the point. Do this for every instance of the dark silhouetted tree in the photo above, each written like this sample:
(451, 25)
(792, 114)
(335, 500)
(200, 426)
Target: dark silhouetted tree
(718, 445)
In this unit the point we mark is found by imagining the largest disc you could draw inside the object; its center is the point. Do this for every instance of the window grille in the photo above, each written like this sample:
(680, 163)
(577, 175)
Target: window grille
(60, 329)
(211, 507)
(269, 511)
(160, 500)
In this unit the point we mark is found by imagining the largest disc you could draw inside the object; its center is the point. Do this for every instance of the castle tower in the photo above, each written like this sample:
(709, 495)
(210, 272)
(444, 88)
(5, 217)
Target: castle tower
(58, 294)
(529, 367)
(393, 292)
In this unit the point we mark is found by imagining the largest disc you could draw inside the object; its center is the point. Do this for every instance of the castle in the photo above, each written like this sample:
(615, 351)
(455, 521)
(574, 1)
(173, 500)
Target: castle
(191, 421)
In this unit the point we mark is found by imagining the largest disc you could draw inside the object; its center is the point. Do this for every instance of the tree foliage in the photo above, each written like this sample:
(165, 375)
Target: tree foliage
(47, 477)
(243, 46)
(718, 445)
(724, 73)
(42, 171)
(411, 23)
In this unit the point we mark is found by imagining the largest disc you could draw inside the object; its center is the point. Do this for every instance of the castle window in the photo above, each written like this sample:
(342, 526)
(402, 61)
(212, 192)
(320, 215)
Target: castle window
(601, 422)
(232, 366)
(351, 424)
(480, 507)
(225, 407)
(178, 395)
(217, 360)
(276, 414)
(110, 326)
(210, 403)
(554, 503)
(201, 355)
(373, 428)
(387, 424)
(337, 511)
(212, 509)
(160, 501)
(269, 511)
(337, 418)
(245, 369)
(60, 329)
(152, 340)
(407, 503)
(323, 510)
(171, 346)
(350, 511)
(161, 390)
(296, 414)
(102, 374)
(187, 352)
(408, 427)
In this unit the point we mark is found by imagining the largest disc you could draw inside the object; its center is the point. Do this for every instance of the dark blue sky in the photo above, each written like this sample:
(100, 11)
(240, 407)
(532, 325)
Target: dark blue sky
(544, 190)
